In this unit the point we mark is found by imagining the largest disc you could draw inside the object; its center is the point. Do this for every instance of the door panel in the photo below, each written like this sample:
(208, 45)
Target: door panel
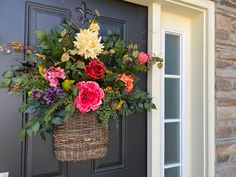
(127, 144)
(10, 118)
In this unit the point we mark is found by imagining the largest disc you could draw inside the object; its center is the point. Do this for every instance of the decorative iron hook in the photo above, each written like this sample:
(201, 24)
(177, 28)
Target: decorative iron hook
(85, 13)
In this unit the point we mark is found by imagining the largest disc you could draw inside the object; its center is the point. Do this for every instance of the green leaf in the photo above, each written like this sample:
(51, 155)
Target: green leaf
(140, 105)
(146, 106)
(34, 128)
(16, 67)
(80, 64)
(152, 106)
(112, 51)
(132, 108)
(45, 47)
(49, 130)
(19, 80)
(57, 121)
(66, 84)
(73, 52)
(43, 136)
(30, 109)
(8, 74)
(41, 35)
(70, 110)
(47, 118)
(110, 44)
(22, 134)
(68, 65)
(74, 90)
(149, 106)
(125, 106)
(48, 115)
(65, 57)
(105, 52)
(109, 32)
(61, 113)
(5, 83)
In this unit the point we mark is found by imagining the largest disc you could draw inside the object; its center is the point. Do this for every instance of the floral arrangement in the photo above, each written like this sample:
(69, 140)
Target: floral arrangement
(73, 69)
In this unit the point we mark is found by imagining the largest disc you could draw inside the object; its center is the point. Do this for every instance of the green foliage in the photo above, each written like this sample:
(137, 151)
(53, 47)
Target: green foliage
(53, 43)
(106, 111)
(31, 83)
(50, 110)
(57, 120)
(5, 83)
(41, 36)
(22, 134)
(8, 74)
(33, 128)
(114, 50)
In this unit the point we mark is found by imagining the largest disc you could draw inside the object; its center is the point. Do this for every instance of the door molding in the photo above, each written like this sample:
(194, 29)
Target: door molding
(207, 9)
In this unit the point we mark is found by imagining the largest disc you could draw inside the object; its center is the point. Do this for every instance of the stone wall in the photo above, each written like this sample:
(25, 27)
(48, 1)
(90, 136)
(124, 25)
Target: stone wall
(225, 88)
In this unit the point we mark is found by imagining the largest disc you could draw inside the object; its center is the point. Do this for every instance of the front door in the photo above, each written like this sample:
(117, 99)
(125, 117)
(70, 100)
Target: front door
(35, 158)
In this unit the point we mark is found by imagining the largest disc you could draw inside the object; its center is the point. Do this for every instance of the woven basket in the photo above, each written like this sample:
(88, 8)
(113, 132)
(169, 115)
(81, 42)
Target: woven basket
(80, 138)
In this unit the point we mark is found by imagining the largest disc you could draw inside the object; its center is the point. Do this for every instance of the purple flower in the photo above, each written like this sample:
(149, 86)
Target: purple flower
(36, 94)
(51, 94)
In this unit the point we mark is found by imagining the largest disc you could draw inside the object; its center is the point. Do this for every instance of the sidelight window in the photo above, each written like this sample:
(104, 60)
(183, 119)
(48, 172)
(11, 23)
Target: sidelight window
(172, 113)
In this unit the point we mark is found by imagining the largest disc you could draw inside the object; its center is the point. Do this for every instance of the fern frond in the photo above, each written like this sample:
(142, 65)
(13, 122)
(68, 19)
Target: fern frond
(48, 115)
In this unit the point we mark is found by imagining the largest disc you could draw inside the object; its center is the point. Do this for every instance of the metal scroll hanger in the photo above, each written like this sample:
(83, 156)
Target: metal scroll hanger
(85, 14)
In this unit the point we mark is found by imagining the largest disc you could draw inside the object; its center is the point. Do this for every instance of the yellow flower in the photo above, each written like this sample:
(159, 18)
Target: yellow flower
(107, 89)
(88, 44)
(40, 56)
(118, 105)
(66, 85)
(28, 52)
(41, 69)
(94, 27)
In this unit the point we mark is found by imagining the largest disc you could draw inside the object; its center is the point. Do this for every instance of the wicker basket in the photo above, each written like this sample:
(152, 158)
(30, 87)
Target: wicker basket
(81, 138)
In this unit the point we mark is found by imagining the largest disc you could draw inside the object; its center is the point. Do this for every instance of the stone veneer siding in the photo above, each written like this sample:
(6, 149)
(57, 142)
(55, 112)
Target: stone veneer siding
(225, 88)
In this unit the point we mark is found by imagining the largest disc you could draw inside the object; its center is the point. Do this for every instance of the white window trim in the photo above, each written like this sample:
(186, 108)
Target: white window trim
(207, 8)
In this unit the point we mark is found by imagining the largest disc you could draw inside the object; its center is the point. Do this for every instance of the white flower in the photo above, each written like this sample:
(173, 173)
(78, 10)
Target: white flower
(88, 44)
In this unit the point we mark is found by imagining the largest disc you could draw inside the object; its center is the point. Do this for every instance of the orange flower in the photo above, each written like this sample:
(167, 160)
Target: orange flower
(16, 45)
(128, 80)
(40, 56)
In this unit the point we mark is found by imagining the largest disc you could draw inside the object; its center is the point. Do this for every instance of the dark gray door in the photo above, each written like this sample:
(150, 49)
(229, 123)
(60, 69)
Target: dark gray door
(35, 158)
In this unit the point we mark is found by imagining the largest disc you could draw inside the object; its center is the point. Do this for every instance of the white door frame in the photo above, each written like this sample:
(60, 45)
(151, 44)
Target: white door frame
(207, 9)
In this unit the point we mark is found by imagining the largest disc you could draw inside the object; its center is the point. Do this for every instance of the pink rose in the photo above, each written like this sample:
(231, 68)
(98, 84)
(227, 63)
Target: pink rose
(53, 75)
(89, 97)
(143, 57)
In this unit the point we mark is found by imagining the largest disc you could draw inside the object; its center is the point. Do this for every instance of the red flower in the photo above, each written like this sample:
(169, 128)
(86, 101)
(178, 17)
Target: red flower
(128, 80)
(95, 69)
(89, 97)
